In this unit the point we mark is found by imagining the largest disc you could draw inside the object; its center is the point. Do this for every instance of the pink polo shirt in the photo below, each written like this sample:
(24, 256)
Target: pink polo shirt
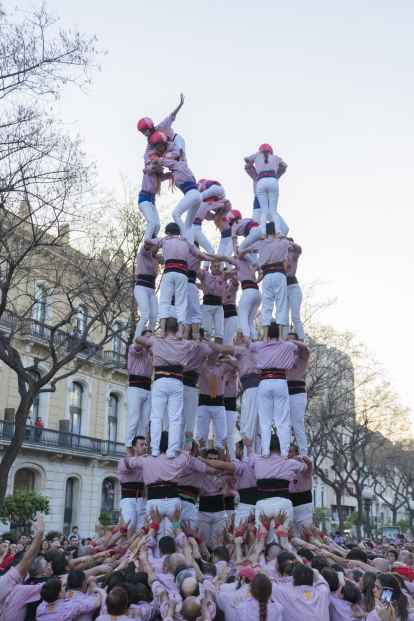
(179, 169)
(293, 259)
(21, 595)
(139, 362)
(7, 583)
(231, 386)
(271, 250)
(237, 230)
(211, 285)
(226, 598)
(75, 595)
(303, 482)
(340, 610)
(129, 475)
(244, 474)
(64, 609)
(148, 610)
(161, 468)
(206, 376)
(273, 162)
(193, 474)
(109, 617)
(299, 370)
(247, 361)
(230, 487)
(250, 609)
(275, 467)
(176, 248)
(230, 293)
(197, 357)
(212, 485)
(243, 269)
(146, 264)
(274, 354)
(170, 351)
(304, 602)
(208, 211)
(150, 181)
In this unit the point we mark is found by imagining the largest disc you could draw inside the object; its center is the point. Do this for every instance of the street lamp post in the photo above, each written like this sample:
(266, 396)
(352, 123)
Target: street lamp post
(411, 505)
(367, 495)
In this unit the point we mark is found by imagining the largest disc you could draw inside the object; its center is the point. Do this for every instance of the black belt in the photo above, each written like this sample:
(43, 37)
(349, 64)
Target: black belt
(248, 284)
(229, 503)
(248, 495)
(191, 276)
(212, 300)
(145, 280)
(271, 268)
(140, 381)
(230, 404)
(291, 280)
(250, 380)
(162, 489)
(272, 488)
(296, 387)
(207, 400)
(189, 493)
(212, 504)
(301, 498)
(132, 490)
(190, 378)
(171, 371)
(230, 310)
(273, 373)
(176, 265)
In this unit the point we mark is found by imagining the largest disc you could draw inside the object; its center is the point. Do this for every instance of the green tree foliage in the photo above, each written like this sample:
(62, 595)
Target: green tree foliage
(22, 506)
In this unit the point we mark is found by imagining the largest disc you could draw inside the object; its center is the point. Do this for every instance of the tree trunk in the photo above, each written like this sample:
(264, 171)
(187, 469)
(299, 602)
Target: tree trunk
(338, 493)
(360, 517)
(394, 516)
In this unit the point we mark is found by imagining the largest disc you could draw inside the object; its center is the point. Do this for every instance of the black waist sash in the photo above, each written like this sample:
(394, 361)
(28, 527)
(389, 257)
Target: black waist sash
(248, 495)
(291, 280)
(132, 490)
(230, 404)
(230, 310)
(176, 265)
(296, 387)
(229, 503)
(250, 380)
(190, 378)
(145, 280)
(207, 400)
(273, 373)
(162, 489)
(140, 381)
(249, 284)
(189, 493)
(191, 276)
(173, 371)
(301, 498)
(212, 504)
(271, 268)
(272, 488)
(211, 300)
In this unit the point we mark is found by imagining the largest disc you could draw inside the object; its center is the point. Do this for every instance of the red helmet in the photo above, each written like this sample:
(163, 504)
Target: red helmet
(158, 137)
(145, 123)
(266, 147)
(232, 215)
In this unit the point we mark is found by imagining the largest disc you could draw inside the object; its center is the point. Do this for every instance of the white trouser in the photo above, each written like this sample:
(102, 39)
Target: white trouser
(273, 402)
(249, 418)
(257, 214)
(243, 512)
(253, 236)
(217, 414)
(188, 513)
(294, 301)
(193, 304)
(173, 283)
(180, 142)
(189, 411)
(133, 509)
(231, 513)
(202, 239)
(165, 507)
(230, 328)
(267, 191)
(302, 516)
(209, 524)
(271, 507)
(139, 410)
(249, 303)
(274, 292)
(212, 315)
(167, 393)
(214, 190)
(147, 302)
(297, 418)
(231, 419)
(190, 203)
(226, 247)
(151, 215)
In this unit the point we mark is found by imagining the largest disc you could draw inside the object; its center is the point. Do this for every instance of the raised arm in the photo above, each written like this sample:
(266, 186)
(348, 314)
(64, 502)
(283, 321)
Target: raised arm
(33, 550)
(220, 465)
(178, 108)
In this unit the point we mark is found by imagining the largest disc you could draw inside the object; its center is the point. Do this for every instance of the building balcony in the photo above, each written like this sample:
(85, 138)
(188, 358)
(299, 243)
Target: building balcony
(114, 359)
(63, 442)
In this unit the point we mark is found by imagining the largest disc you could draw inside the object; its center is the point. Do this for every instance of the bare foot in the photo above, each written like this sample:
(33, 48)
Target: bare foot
(180, 332)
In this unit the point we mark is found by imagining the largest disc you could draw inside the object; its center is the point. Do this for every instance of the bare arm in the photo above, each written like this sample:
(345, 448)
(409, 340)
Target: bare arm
(178, 108)
(244, 252)
(33, 550)
(221, 465)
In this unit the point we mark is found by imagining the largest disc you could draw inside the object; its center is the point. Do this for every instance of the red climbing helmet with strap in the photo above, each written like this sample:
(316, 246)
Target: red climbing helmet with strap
(266, 147)
(232, 215)
(158, 137)
(145, 123)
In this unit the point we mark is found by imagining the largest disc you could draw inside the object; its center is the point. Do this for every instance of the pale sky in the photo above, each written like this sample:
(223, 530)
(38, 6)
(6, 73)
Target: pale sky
(329, 84)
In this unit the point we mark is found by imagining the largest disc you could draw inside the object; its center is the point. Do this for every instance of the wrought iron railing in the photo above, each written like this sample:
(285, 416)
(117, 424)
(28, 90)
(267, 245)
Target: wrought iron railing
(115, 359)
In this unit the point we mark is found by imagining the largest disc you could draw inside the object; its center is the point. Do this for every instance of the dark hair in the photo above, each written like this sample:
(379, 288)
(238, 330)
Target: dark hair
(261, 589)
(331, 578)
(164, 442)
(134, 441)
(295, 334)
(274, 443)
(368, 583)
(201, 332)
(145, 330)
(117, 601)
(73, 536)
(303, 575)
(222, 553)
(240, 444)
(76, 578)
(166, 545)
(338, 568)
(266, 156)
(196, 244)
(305, 553)
(398, 598)
(171, 324)
(50, 590)
(285, 556)
(273, 330)
(181, 567)
(131, 592)
(212, 451)
(337, 532)
(75, 527)
(394, 552)
(350, 592)
(59, 564)
(356, 574)
(172, 228)
(295, 447)
(270, 228)
(51, 554)
(209, 569)
(319, 563)
(287, 567)
(356, 554)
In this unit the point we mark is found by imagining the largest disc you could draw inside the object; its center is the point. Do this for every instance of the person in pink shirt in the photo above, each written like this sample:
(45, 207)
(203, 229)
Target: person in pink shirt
(231, 318)
(220, 220)
(260, 605)
(273, 359)
(306, 598)
(132, 487)
(150, 187)
(20, 597)
(344, 605)
(139, 390)
(144, 290)
(57, 607)
(300, 491)
(247, 228)
(250, 299)
(116, 605)
(213, 285)
(207, 211)
(170, 356)
(257, 212)
(269, 169)
(147, 128)
(211, 516)
(193, 313)
(294, 292)
(296, 377)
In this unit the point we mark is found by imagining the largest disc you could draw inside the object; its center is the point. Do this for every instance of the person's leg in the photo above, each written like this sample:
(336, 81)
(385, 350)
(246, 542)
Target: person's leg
(153, 304)
(255, 301)
(214, 190)
(262, 194)
(295, 299)
(265, 407)
(231, 419)
(226, 248)
(243, 512)
(202, 239)
(280, 297)
(302, 516)
(230, 329)
(166, 293)
(281, 414)
(219, 521)
(140, 510)
(297, 417)
(189, 412)
(188, 513)
(184, 204)
(218, 319)
(253, 236)
(249, 415)
(243, 312)
(273, 193)
(284, 228)
(193, 309)
(128, 510)
(142, 297)
(218, 415)
(181, 298)
(203, 423)
(145, 413)
(147, 210)
(191, 214)
(157, 222)
(267, 299)
(204, 520)
(207, 312)
(180, 142)
(175, 405)
(159, 400)
(134, 398)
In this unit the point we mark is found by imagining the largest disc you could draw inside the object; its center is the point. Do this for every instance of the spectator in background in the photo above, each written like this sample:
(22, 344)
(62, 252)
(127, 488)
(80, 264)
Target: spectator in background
(39, 425)
(338, 538)
(75, 531)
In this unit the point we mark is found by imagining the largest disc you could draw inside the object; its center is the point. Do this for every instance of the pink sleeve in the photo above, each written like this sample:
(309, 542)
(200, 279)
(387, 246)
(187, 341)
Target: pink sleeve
(255, 347)
(136, 462)
(251, 172)
(253, 457)
(198, 466)
(150, 341)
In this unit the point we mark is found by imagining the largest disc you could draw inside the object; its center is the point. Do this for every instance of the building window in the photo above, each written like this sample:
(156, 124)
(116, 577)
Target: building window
(24, 479)
(34, 410)
(40, 308)
(82, 318)
(75, 409)
(108, 495)
(67, 516)
(113, 417)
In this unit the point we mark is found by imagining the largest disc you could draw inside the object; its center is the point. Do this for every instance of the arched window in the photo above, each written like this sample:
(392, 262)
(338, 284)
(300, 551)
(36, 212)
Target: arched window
(75, 408)
(82, 318)
(24, 479)
(67, 516)
(108, 495)
(113, 417)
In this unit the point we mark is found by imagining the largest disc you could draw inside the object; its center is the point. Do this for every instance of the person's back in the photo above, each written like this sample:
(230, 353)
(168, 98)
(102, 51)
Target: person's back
(306, 598)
